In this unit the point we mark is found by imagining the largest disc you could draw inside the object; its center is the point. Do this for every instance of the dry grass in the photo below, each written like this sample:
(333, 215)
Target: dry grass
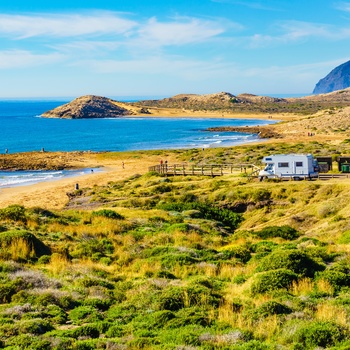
(332, 313)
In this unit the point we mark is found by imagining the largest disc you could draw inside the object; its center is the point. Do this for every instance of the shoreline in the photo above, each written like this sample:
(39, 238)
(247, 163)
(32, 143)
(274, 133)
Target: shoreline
(53, 194)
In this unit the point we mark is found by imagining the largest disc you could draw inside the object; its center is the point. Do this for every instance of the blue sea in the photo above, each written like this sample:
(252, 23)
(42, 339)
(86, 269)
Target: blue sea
(23, 129)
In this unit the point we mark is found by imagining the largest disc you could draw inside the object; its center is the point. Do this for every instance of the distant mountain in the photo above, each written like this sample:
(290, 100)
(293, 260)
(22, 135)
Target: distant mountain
(89, 106)
(337, 79)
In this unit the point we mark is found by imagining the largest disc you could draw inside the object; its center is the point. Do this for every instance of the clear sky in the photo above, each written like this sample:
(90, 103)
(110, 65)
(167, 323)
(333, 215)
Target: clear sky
(159, 48)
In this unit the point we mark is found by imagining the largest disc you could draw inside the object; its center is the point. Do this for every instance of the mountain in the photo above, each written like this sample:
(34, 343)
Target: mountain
(89, 106)
(337, 79)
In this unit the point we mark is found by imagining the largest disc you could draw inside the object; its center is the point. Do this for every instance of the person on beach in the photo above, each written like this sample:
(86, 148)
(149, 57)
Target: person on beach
(123, 165)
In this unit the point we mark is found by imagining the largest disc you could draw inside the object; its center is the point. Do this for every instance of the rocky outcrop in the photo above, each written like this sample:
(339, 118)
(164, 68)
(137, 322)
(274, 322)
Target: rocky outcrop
(89, 106)
(337, 79)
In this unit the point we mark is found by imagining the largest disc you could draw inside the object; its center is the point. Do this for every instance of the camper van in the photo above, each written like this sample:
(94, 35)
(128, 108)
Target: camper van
(292, 166)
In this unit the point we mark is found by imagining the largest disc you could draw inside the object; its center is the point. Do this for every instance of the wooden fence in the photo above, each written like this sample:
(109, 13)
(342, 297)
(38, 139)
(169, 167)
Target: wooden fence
(203, 169)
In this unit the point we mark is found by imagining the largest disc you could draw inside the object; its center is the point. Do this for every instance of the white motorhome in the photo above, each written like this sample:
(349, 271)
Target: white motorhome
(293, 166)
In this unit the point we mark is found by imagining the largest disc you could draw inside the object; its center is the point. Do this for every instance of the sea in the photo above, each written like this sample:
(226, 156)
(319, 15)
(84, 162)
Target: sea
(23, 129)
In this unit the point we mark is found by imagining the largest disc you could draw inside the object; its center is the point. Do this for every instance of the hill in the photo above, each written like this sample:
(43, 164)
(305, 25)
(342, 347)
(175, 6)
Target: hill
(225, 102)
(89, 106)
(186, 104)
(337, 79)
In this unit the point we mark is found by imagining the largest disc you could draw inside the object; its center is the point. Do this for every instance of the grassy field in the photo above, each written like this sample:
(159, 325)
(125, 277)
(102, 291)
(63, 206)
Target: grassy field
(152, 262)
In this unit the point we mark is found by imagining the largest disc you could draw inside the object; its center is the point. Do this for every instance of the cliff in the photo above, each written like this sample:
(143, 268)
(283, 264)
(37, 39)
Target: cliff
(89, 106)
(337, 79)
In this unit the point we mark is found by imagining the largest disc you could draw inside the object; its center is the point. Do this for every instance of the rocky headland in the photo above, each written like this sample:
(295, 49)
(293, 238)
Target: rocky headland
(89, 106)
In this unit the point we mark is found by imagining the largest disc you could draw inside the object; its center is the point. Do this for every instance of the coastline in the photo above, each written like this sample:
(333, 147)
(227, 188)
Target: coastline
(53, 194)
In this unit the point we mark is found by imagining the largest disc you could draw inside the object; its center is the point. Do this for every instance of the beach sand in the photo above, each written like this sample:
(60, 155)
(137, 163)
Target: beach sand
(53, 195)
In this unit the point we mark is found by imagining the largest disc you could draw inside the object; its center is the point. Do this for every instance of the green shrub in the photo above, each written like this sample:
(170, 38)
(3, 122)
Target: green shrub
(271, 280)
(107, 213)
(285, 232)
(83, 314)
(7, 290)
(241, 253)
(344, 238)
(270, 308)
(14, 238)
(294, 260)
(335, 278)
(207, 211)
(171, 299)
(178, 227)
(86, 331)
(190, 316)
(324, 334)
(36, 326)
(44, 259)
(14, 213)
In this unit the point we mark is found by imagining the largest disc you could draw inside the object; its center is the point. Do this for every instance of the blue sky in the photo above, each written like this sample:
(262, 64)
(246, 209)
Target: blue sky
(160, 48)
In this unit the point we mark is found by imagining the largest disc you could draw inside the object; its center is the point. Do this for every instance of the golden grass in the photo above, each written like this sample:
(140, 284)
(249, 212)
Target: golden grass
(19, 249)
(303, 286)
(325, 287)
(328, 312)
(58, 264)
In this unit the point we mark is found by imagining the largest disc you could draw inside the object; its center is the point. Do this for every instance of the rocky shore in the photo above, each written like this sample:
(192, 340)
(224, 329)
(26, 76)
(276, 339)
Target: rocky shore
(264, 132)
(43, 160)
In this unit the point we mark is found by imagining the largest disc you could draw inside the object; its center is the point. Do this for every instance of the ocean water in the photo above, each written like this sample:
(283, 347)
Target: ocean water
(24, 178)
(23, 129)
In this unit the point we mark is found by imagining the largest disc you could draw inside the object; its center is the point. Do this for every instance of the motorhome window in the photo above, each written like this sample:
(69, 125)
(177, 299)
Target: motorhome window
(268, 159)
(298, 163)
(283, 165)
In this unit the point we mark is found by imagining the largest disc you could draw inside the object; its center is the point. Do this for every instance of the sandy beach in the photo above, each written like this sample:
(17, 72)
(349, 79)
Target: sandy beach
(53, 194)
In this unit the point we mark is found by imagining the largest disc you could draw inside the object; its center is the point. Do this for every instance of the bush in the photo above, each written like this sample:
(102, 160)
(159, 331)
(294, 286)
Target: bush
(206, 211)
(14, 213)
(293, 260)
(324, 334)
(336, 279)
(270, 308)
(21, 245)
(36, 326)
(271, 280)
(107, 213)
(241, 253)
(344, 238)
(82, 314)
(86, 331)
(285, 232)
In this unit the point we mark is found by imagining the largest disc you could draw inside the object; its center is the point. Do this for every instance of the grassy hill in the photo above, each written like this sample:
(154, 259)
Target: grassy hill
(182, 262)
(249, 103)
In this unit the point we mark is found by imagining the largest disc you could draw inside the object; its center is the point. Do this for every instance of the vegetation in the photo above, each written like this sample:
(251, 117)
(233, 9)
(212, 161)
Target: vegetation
(182, 263)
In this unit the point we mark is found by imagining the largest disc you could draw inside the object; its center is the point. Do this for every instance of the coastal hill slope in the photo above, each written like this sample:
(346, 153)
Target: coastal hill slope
(249, 103)
(337, 79)
(185, 104)
(88, 106)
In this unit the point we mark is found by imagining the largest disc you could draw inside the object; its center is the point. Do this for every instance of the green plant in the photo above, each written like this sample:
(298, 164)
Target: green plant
(13, 212)
(324, 334)
(294, 260)
(269, 281)
(107, 213)
(285, 232)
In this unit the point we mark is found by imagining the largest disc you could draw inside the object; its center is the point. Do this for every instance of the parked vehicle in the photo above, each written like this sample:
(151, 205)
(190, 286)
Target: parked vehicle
(293, 166)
